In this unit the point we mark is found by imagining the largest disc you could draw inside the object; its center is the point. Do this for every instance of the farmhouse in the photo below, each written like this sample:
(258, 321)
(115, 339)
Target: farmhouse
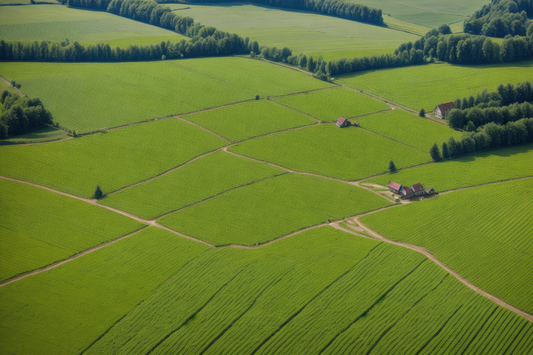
(408, 192)
(442, 110)
(343, 122)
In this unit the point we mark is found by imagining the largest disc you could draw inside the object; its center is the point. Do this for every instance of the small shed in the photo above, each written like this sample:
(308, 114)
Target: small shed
(395, 187)
(343, 122)
(442, 110)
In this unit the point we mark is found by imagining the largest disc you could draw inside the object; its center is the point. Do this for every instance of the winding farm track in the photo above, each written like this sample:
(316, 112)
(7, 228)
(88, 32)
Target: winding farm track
(333, 224)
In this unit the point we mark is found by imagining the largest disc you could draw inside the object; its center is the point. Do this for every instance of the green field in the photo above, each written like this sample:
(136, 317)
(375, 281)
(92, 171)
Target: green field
(201, 179)
(427, 86)
(303, 32)
(347, 153)
(408, 128)
(112, 159)
(471, 170)
(56, 23)
(272, 208)
(64, 310)
(142, 91)
(320, 291)
(427, 13)
(249, 119)
(39, 227)
(483, 234)
(40, 135)
(329, 105)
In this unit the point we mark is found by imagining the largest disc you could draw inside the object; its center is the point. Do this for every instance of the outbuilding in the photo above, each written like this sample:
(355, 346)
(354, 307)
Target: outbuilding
(442, 110)
(343, 122)
(395, 187)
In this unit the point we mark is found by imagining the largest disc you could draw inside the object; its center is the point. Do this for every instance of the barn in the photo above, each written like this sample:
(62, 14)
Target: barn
(343, 122)
(442, 110)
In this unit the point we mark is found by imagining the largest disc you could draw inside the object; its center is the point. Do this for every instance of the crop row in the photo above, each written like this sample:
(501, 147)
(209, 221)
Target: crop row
(481, 233)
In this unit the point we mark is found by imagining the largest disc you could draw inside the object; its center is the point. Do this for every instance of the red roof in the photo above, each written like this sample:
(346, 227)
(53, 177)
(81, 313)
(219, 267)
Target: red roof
(417, 187)
(341, 120)
(446, 107)
(394, 185)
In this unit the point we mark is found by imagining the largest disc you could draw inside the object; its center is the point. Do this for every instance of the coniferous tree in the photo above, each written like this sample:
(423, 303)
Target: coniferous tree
(392, 167)
(435, 153)
(98, 192)
(422, 113)
(445, 151)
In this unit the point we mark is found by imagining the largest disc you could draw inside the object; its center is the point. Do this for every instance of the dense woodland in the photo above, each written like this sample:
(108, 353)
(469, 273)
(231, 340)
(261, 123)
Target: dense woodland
(501, 18)
(21, 115)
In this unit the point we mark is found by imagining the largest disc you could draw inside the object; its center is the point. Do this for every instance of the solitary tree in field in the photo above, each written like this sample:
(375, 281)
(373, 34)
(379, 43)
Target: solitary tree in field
(422, 113)
(445, 151)
(257, 97)
(98, 192)
(435, 153)
(392, 167)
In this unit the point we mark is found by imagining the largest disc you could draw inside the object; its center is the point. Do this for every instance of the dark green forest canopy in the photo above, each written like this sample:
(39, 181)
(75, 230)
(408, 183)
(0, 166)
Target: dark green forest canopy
(501, 18)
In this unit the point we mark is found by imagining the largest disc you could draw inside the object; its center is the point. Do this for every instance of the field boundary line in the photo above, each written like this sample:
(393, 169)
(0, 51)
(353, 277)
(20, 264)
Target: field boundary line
(392, 139)
(201, 127)
(439, 263)
(64, 261)
(484, 184)
(9, 82)
(291, 108)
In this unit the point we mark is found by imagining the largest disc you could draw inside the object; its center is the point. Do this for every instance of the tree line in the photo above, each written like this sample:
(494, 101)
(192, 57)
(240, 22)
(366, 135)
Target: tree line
(21, 115)
(489, 136)
(501, 18)
(503, 96)
(471, 118)
(337, 8)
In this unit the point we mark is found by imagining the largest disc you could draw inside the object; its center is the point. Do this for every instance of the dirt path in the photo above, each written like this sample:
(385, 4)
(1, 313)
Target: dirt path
(202, 128)
(64, 261)
(438, 262)
(9, 83)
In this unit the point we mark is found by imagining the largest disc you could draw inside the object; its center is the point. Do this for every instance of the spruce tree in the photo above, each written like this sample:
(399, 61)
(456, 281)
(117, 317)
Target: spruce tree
(435, 153)
(445, 151)
(392, 167)
(422, 113)
(98, 192)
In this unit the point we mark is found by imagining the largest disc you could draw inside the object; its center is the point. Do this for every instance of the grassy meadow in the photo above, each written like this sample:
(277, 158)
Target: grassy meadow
(483, 234)
(303, 32)
(125, 93)
(40, 135)
(329, 105)
(40, 227)
(64, 310)
(57, 23)
(348, 153)
(112, 160)
(408, 128)
(271, 208)
(192, 183)
(470, 170)
(427, 86)
(294, 297)
(249, 119)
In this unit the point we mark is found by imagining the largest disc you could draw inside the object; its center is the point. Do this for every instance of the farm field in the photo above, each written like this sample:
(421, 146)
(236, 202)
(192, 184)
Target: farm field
(112, 160)
(40, 135)
(428, 13)
(427, 89)
(249, 119)
(39, 227)
(144, 90)
(347, 153)
(271, 208)
(64, 310)
(471, 170)
(303, 32)
(194, 182)
(56, 23)
(408, 128)
(289, 297)
(328, 105)
(484, 234)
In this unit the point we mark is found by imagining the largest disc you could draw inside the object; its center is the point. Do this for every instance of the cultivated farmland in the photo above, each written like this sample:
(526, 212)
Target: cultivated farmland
(408, 128)
(290, 297)
(249, 119)
(427, 86)
(484, 234)
(303, 32)
(39, 227)
(145, 90)
(192, 183)
(471, 170)
(113, 159)
(272, 208)
(328, 105)
(348, 153)
(57, 23)
(92, 293)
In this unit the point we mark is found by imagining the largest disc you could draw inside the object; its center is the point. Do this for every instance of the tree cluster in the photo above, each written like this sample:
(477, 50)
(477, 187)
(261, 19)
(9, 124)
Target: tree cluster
(489, 136)
(21, 115)
(471, 118)
(503, 96)
(501, 18)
